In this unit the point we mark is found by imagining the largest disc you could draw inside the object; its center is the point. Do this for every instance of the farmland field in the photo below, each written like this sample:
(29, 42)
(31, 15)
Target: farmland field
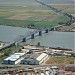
(22, 15)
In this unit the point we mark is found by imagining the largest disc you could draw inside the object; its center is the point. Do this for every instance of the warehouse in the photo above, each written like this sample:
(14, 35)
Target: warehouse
(14, 59)
(35, 59)
(42, 58)
(30, 59)
(30, 62)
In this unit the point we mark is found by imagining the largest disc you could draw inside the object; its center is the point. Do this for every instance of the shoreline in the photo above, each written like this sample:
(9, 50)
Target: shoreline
(35, 29)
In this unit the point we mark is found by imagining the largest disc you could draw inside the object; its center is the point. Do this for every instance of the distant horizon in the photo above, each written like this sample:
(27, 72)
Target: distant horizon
(33, 1)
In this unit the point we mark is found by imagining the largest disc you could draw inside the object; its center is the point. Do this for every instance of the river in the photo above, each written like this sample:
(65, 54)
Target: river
(51, 39)
(9, 33)
(56, 39)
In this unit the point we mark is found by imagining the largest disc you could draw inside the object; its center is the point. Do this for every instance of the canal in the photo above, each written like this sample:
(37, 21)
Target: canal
(51, 39)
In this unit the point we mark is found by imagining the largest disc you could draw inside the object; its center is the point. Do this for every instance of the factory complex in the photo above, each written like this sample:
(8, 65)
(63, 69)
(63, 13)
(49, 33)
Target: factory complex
(27, 57)
(34, 55)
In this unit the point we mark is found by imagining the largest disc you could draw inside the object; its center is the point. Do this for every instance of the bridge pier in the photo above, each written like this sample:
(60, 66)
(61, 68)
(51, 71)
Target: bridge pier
(46, 31)
(24, 40)
(53, 28)
(40, 33)
(32, 36)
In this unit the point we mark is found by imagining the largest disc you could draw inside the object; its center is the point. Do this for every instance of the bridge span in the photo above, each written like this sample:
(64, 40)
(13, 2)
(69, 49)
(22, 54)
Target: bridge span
(33, 34)
(28, 35)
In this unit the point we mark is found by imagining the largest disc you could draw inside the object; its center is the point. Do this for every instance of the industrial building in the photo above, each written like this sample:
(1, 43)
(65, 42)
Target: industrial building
(30, 59)
(14, 59)
(35, 59)
(42, 58)
(30, 62)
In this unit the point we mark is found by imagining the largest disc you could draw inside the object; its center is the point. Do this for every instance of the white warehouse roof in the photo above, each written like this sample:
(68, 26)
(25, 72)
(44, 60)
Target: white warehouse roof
(20, 54)
(15, 56)
(54, 67)
(41, 56)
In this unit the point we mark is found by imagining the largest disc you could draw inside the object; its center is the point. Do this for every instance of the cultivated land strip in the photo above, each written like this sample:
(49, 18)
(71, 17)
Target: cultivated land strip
(22, 15)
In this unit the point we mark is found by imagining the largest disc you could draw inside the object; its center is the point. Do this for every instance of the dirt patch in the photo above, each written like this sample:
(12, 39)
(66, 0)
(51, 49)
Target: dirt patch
(52, 18)
(58, 60)
(20, 16)
(70, 9)
(66, 28)
(40, 17)
(73, 15)
(48, 18)
(61, 4)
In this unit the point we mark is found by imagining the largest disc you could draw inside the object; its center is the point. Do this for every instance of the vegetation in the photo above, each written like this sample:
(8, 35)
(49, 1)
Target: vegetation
(7, 67)
(24, 15)
(8, 51)
(60, 60)
(73, 54)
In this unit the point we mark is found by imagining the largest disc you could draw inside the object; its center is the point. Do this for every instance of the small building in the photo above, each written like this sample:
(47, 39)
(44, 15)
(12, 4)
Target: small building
(14, 59)
(2, 44)
(25, 50)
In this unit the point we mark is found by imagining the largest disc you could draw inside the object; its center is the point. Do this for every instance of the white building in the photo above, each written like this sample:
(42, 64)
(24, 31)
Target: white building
(1, 45)
(42, 58)
(14, 59)
(25, 50)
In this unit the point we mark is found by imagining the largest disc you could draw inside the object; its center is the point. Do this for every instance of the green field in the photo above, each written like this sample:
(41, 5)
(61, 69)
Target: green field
(22, 15)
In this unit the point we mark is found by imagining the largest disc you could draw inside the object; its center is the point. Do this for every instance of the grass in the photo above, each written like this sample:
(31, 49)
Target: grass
(36, 12)
(60, 60)
(8, 51)
(44, 24)
(9, 67)
(17, 23)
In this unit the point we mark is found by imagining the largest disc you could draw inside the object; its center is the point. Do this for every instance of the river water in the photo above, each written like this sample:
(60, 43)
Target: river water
(51, 39)
(56, 39)
(8, 33)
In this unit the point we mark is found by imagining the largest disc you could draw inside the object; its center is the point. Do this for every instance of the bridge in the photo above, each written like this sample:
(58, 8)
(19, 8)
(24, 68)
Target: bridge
(71, 18)
(28, 35)
(32, 35)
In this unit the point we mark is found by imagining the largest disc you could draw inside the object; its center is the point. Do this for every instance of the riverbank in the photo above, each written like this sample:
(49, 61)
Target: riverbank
(58, 61)
(70, 28)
